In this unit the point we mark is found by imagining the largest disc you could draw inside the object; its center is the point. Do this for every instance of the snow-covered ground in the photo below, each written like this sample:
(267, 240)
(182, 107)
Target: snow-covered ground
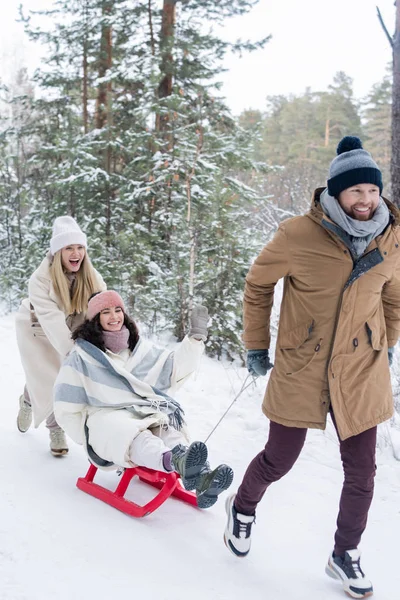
(57, 543)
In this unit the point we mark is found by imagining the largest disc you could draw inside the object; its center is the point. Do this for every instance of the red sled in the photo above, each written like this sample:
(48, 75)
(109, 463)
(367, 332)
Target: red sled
(168, 484)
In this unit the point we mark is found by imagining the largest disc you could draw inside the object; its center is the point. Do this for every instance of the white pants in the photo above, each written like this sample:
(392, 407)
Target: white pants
(148, 447)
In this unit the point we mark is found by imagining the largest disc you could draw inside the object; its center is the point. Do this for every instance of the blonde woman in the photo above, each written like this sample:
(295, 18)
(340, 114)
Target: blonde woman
(59, 291)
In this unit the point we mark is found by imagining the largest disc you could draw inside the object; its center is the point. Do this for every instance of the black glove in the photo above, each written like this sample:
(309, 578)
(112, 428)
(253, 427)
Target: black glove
(198, 323)
(258, 362)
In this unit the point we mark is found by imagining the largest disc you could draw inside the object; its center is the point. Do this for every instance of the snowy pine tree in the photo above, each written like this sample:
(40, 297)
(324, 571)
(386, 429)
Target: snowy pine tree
(128, 133)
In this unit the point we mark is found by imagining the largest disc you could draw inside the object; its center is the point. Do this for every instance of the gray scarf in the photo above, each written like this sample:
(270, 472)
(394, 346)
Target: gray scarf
(361, 232)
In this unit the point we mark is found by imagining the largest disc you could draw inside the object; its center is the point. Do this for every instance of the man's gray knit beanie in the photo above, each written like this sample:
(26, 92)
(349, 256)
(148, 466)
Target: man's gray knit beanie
(352, 165)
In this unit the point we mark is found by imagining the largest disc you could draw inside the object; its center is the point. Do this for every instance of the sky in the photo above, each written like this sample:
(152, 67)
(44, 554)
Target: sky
(311, 41)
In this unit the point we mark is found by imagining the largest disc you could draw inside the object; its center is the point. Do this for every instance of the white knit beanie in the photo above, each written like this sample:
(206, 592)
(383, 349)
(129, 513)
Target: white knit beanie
(66, 231)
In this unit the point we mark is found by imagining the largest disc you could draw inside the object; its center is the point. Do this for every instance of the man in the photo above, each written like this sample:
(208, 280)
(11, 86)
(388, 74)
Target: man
(339, 321)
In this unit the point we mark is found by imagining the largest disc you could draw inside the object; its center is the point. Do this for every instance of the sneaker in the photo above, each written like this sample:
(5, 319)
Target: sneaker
(58, 442)
(211, 483)
(24, 418)
(189, 462)
(237, 535)
(347, 569)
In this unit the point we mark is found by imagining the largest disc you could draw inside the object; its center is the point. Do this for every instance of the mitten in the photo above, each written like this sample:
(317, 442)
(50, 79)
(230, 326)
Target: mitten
(258, 362)
(198, 323)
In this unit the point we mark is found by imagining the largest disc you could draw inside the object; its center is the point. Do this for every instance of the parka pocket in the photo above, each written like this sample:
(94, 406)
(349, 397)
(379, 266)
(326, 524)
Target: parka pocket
(296, 337)
(376, 332)
(297, 349)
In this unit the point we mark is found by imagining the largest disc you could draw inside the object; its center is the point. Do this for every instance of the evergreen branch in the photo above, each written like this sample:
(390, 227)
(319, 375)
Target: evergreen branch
(248, 46)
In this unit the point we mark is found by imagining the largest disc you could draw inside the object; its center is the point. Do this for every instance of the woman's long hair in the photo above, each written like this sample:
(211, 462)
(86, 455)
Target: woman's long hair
(84, 286)
(92, 332)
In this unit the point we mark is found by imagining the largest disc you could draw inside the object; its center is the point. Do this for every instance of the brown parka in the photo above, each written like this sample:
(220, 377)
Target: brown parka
(337, 319)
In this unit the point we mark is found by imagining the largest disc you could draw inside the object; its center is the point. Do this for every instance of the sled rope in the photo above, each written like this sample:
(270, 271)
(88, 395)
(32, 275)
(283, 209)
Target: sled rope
(245, 385)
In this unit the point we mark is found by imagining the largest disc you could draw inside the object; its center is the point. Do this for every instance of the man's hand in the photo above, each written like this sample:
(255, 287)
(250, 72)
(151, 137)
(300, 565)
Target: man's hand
(258, 362)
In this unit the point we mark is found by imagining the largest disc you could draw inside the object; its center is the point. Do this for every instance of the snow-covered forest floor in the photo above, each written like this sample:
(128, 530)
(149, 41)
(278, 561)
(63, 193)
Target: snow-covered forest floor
(57, 543)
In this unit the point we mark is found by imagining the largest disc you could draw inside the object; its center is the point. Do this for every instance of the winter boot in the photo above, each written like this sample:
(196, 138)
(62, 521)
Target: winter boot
(24, 418)
(58, 443)
(237, 534)
(347, 569)
(189, 462)
(211, 483)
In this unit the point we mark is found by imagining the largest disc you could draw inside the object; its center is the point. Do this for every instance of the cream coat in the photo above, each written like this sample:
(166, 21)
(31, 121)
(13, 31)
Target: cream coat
(44, 345)
(89, 399)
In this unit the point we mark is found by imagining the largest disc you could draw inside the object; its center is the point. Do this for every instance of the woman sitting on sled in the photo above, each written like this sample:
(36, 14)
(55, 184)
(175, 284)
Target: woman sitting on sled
(113, 394)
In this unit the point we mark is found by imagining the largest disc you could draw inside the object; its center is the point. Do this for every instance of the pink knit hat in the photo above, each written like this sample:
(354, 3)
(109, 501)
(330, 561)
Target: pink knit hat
(99, 302)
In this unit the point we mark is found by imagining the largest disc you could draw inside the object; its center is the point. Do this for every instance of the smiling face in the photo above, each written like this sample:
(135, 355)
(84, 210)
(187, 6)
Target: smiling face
(72, 257)
(360, 201)
(112, 319)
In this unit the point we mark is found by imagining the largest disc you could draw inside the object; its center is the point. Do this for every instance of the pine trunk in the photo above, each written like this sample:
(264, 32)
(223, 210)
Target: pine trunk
(152, 41)
(104, 105)
(85, 75)
(395, 162)
(105, 62)
(166, 41)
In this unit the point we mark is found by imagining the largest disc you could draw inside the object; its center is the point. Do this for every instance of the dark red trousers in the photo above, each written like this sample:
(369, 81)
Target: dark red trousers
(278, 457)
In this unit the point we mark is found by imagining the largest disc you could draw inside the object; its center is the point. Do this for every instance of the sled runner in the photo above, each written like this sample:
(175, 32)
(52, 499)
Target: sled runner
(168, 484)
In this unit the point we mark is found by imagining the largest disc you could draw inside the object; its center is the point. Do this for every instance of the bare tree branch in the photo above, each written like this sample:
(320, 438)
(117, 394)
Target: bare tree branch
(389, 37)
